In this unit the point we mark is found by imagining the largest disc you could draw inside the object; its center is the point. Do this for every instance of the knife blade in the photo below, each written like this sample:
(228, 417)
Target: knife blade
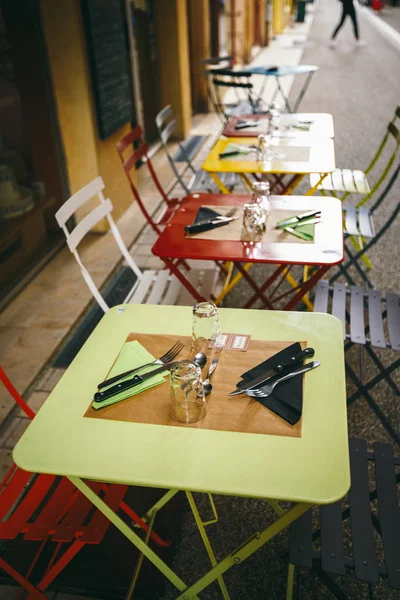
(210, 224)
(132, 382)
(283, 367)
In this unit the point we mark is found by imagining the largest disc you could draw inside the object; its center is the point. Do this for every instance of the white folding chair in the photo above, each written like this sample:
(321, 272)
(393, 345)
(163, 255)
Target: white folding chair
(150, 287)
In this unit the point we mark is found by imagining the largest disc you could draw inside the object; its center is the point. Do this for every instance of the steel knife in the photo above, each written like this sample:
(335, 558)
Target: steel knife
(206, 225)
(132, 382)
(280, 369)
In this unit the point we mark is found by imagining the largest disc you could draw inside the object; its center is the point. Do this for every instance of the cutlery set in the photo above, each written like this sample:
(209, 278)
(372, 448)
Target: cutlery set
(258, 388)
(207, 224)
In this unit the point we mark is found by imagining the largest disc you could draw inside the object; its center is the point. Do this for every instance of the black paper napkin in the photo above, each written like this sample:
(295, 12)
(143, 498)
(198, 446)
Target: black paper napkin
(206, 213)
(287, 398)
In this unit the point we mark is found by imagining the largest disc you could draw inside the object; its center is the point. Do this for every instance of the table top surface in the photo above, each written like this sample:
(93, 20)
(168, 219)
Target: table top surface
(321, 157)
(280, 71)
(319, 125)
(311, 468)
(327, 248)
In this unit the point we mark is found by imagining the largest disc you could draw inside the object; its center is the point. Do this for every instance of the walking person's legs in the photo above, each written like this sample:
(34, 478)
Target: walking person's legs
(353, 16)
(342, 20)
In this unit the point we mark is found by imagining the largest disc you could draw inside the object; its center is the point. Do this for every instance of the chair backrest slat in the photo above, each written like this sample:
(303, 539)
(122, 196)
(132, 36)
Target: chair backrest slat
(366, 222)
(339, 304)
(357, 326)
(53, 511)
(300, 551)
(12, 490)
(393, 319)
(351, 221)
(364, 554)
(332, 545)
(31, 501)
(321, 297)
(77, 200)
(376, 330)
(87, 223)
(74, 519)
(389, 513)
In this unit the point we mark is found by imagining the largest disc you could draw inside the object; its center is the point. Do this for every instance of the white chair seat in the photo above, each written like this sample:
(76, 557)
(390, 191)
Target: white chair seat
(343, 180)
(159, 287)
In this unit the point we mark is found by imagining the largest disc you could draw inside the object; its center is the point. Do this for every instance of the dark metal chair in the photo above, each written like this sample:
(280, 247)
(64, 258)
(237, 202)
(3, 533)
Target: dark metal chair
(371, 319)
(199, 180)
(374, 520)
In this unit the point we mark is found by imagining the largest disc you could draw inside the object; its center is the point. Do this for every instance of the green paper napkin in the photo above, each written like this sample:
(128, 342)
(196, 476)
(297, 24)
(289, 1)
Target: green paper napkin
(131, 355)
(305, 232)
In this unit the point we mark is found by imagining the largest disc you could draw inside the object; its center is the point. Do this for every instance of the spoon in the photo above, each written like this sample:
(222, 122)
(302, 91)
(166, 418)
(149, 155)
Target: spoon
(200, 359)
(206, 383)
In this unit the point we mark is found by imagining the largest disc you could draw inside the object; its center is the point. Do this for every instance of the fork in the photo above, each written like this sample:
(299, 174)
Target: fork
(266, 390)
(165, 358)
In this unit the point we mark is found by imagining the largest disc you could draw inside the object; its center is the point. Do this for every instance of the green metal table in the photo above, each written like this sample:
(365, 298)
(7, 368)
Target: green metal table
(308, 470)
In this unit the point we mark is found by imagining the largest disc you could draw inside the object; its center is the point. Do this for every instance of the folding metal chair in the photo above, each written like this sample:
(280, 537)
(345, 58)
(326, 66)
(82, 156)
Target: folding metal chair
(199, 181)
(327, 550)
(133, 152)
(371, 319)
(360, 229)
(45, 508)
(348, 181)
(150, 286)
(242, 106)
(211, 68)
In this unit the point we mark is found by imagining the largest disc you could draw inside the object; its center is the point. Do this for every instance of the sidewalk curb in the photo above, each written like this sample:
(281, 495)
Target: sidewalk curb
(386, 30)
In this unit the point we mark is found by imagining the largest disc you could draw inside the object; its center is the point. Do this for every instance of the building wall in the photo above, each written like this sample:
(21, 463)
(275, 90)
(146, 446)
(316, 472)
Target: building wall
(86, 155)
(173, 53)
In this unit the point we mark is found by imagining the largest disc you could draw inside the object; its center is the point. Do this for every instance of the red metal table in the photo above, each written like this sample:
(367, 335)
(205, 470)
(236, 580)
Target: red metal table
(325, 251)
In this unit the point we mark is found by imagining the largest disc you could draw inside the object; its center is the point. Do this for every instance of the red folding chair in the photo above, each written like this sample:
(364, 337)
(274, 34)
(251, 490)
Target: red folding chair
(48, 508)
(130, 157)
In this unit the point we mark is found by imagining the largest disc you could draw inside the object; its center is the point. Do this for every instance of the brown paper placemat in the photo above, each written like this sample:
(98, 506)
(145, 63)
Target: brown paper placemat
(232, 231)
(281, 154)
(224, 413)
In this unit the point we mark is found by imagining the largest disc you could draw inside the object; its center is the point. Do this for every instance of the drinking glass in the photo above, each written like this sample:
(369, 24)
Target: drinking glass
(206, 329)
(188, 403)
(276, 113)
(254, 223)
(264, 151)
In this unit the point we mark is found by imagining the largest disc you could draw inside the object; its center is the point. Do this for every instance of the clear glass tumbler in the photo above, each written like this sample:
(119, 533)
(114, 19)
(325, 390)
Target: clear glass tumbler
(206, 329)
(264, 150)
(254, 223)
(188, 403)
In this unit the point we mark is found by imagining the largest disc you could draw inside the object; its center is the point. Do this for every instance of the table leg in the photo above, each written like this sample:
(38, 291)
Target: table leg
(159, 505)
(219, 183)
(129, 533)
(287, 105)
(185, 282)
(294, 182)
(201, 527)
(303, 91)
(306, 287)
(315, 187)
(245, 178)
(254, 543)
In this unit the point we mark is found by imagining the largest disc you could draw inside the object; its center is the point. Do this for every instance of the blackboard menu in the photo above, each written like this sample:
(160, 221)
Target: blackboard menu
(109, 60)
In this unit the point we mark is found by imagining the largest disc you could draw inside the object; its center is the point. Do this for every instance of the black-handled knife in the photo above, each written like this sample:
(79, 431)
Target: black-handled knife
(283, 367)
(132, 382)
(206, 225)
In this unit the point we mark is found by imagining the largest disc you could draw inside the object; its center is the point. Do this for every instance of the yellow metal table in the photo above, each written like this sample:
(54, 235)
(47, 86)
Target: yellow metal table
(295, 157)
(310, 469)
